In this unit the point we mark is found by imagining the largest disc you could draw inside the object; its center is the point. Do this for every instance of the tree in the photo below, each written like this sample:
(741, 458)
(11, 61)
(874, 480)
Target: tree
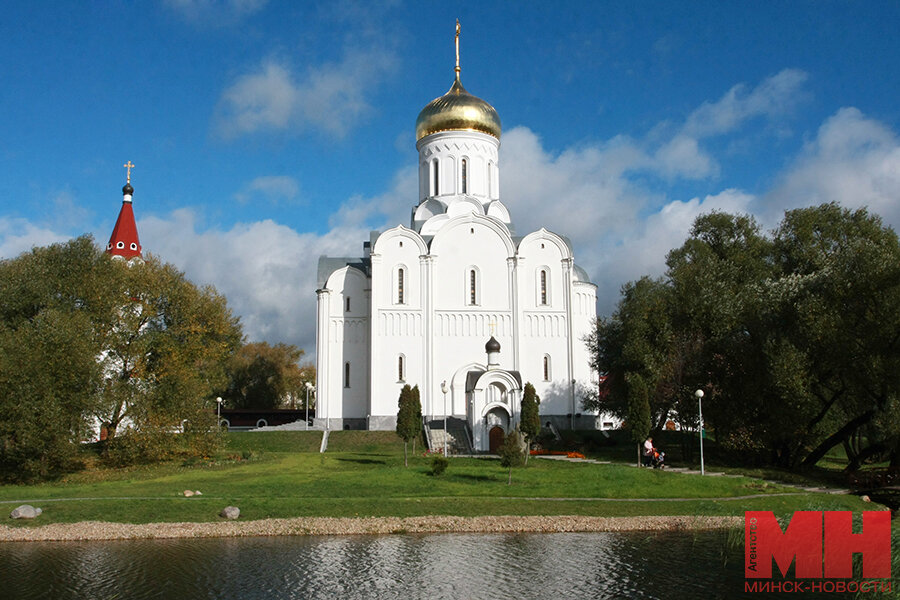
(417, 414)
(511, 454)
(795, 338)
(638, 411)
(48, 387)
(53, 307)
(530, 420)
(408, 421)
(87, 337)
(164, 355)
(261, 376)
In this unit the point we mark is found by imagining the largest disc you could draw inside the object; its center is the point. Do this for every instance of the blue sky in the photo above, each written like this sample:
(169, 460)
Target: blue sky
(268, 133)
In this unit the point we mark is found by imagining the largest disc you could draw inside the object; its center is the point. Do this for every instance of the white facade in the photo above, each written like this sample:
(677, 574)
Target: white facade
(418, 307)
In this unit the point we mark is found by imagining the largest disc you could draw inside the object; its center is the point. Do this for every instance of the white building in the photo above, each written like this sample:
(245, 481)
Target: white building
(420, 304)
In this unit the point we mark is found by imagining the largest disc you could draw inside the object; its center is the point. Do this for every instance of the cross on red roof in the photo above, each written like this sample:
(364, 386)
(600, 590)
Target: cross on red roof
(124, 240)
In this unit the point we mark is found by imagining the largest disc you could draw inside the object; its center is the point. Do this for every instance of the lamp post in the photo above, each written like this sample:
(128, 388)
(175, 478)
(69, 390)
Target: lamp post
(446, 438)
(309, 388)
(219, 412)
(699, 395)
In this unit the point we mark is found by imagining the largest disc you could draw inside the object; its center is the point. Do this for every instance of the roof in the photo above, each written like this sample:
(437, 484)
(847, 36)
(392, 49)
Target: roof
(472, 378)
(329, 264)
(124, 240)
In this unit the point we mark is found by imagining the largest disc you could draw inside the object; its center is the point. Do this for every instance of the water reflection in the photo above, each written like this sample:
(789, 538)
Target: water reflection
(589, 565)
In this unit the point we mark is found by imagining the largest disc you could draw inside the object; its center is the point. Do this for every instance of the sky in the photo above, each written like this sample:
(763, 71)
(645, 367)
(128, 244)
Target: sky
(268, 133)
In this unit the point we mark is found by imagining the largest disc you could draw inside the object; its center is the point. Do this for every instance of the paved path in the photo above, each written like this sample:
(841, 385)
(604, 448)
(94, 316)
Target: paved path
(687, 471)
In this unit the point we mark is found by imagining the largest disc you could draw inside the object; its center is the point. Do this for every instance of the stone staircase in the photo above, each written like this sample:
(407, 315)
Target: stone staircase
(456, 438)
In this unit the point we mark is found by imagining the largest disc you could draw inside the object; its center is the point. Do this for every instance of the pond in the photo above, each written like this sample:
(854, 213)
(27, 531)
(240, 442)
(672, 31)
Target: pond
(572, 565)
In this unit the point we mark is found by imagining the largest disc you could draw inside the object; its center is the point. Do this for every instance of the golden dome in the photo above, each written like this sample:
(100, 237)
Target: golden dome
(458, 110)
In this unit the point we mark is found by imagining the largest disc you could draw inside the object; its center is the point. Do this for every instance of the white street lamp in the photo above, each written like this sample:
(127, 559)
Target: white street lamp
(219, 412)
(309, 388)
(699, 395)
(446, 437)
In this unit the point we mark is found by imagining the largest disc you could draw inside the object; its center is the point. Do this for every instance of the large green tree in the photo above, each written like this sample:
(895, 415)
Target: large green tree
(86, 338)
(165, 352)
(261, 376)
(794, 337)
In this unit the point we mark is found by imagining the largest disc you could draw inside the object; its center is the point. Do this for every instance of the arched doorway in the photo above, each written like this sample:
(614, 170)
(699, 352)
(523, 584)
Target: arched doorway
(495, 438)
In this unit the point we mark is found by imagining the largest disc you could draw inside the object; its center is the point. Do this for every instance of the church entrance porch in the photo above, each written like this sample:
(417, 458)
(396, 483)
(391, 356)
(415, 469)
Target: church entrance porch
(496, 436)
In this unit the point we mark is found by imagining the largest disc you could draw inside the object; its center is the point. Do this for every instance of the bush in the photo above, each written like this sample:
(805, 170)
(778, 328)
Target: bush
(438, 464)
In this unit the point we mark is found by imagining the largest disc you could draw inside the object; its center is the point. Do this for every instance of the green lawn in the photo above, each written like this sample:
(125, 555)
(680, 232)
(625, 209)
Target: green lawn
(362, 474)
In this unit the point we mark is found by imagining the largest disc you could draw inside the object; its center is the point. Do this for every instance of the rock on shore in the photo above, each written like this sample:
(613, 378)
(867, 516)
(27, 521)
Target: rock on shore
(93, 530)
(26, 511)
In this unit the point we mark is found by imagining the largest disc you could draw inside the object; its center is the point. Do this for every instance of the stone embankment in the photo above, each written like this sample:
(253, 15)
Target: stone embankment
(355, 526)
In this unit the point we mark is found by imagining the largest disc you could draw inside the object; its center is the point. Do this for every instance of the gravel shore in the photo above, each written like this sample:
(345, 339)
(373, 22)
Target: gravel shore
(94, 530)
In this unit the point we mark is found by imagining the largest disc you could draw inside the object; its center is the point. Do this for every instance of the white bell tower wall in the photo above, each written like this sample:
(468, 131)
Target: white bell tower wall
(459, 163)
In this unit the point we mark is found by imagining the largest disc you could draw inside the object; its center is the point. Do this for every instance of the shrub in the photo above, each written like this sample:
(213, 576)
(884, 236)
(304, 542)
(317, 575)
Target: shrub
(438, 464)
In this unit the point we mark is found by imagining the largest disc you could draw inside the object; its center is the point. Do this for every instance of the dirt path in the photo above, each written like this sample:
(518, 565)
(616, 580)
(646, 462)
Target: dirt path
(93, 530)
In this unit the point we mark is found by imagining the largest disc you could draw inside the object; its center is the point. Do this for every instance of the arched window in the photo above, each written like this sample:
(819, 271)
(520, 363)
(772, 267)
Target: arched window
(401, 368)
(473, 287)
(347, 304)
(435, 178)
(543, 287)
(400, 283)
(465, 176)
(346, 374)
(546, 367)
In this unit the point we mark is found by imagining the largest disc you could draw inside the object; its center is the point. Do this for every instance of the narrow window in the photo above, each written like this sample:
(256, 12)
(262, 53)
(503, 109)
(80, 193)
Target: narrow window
(346, 374)
(546, 367)
(347, 304)
(401, 376)
(544, 287)
(473, 295)
(465, 176)
(434, 178)
(400, 286)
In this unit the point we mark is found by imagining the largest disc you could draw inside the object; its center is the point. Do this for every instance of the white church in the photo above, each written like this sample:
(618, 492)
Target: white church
(457, 303)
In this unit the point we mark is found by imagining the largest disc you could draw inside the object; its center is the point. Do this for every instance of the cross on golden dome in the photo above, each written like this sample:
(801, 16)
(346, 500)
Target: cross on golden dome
(457, 46)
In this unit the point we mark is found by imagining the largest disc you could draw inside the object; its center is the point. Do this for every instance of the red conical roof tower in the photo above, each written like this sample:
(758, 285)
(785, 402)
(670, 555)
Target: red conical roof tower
(124, 240)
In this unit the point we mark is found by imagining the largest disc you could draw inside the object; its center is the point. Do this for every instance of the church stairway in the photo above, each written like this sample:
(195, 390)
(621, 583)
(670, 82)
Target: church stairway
(456, 438)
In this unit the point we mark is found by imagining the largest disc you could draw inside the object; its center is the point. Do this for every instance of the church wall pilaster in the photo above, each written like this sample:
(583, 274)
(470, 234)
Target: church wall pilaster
(375, 361)
(426, 265)
(323, 350)
(567, 264)
(513, 266)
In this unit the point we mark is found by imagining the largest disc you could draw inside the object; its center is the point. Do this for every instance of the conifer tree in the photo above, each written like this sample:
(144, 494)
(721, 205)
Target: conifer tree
(407, 420)
(530, 423)
(511, 454)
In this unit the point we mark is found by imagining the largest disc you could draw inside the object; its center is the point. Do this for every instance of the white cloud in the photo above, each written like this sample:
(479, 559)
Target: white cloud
(19, 235)
(680, 154)
(330, 98)
(273, 188)
(266, 270)
(682, 157)
(854, 160)
(588, 195)
(774, 96)
(215, 12)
